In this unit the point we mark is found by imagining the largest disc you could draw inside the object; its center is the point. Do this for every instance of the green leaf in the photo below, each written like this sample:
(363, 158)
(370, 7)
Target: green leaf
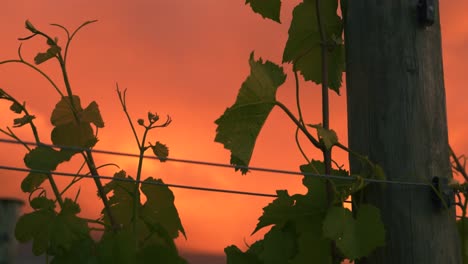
(266, 8)
(26, 119)
(328, 136)
(69, 132)
(358, 237)
(74, 135)
(303, 47)
(121, 202)
(118, 248)
(343, 188)
(63, 113)
(32, 181)
(161, 151)
(277, 212)
(67, 228)
(335, 222)
(30, 27)
(92, 114)
(45, 158)
(370, 229)
(42, 202)
(311, 245)
(17, 108)
(159, 207)
(239, 126)
(317, 190)
(49, 54)
(235, 256)
(81, 252)
(35, 226)
(158, 254)
(278, 246)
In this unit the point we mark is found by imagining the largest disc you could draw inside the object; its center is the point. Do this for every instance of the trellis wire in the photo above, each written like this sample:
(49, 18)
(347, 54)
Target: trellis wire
(2, 167)
(214, 164)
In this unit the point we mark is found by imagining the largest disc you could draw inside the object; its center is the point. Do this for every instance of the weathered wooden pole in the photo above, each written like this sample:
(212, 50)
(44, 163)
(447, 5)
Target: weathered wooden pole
(397, 117)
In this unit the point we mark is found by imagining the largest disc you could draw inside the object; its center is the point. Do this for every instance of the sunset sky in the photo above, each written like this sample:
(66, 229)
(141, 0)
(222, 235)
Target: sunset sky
(186, 59)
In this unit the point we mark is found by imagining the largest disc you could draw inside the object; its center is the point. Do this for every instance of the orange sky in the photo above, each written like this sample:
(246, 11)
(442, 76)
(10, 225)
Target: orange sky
(187, 59)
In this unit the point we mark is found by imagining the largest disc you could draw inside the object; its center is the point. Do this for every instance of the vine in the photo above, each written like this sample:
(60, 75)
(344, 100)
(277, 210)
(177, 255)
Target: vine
(131, 231)
(316, 225)
(461, 192)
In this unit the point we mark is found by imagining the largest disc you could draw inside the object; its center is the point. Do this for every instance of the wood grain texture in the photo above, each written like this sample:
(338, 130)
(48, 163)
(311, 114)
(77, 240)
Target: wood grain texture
(397, 116)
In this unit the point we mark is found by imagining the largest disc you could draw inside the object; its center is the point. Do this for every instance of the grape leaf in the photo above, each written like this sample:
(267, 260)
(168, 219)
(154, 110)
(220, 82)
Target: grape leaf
(49, 54)
(30, 27)
(328, 136)
(42, 202)
(335, 221)
(159, 207)
(35, 226)
(51, 231)
(235, 256)
(121, 202)
(161, 151)
(303, 47)
(278, 246)
(343, 188)
(239, 126)
(45, 158)
(355, 237)
(74, 135)
(16, 108)
(67, 228)
(92, 114)
(369, 228)
(311, 245)
(63, 113)
(316, 187)
(26, 119)
(155, 253)
(266, 8)
(117, 247)
(81, 251)
(32, 181)
(277, 212)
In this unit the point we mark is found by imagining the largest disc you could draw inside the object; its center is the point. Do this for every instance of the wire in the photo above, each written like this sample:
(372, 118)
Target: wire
(2, 167)
(214, 164)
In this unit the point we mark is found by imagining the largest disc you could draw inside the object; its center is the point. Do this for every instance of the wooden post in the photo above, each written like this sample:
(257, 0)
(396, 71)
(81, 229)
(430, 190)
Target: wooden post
(9, 212)
(397, 117)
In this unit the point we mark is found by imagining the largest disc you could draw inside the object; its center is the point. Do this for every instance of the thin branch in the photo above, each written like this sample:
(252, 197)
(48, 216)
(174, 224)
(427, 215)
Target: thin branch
(36, 69)
(311, 138)
(459, 167)
(123, 103)
(12, 135)
(102, 194)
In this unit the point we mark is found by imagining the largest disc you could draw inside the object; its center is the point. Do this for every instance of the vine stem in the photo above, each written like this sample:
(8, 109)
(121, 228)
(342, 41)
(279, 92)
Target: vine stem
(301, 119)
(459, 167)
(325, 113)
(298, 123)
(123, 102)
(102, 194)
(87, 154)
(52, 182)
(136, 199)
(36, 69)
